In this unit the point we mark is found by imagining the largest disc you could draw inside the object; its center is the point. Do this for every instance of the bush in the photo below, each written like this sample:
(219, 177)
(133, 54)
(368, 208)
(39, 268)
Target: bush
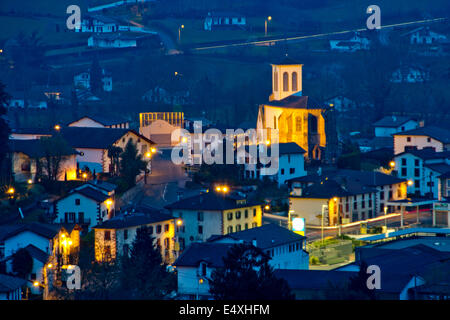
(313, 260)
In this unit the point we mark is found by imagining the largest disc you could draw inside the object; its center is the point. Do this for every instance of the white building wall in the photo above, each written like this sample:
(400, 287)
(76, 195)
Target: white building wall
(25, 238)
(401, 141)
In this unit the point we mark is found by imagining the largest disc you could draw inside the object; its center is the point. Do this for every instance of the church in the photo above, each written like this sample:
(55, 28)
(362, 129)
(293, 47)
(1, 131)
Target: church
(296, 117)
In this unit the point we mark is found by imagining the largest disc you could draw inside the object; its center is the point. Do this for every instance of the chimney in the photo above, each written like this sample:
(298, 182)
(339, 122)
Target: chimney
(422, 123)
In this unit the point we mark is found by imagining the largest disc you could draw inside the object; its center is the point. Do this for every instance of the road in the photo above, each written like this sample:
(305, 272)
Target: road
(165, 183)
(307, 37)
(394, 222)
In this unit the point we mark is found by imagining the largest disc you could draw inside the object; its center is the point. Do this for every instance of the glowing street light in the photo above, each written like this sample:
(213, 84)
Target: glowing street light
(179, 32)
(392, 164)
(153, 150)
(184, 139)
(109, 202)
(11, 190)
(410, 182)
(36, 283)
(218, 188)
(267, 207)
(269, 18)
(30, 181)
(57, 127)
(148, 155)
(267, 142)
(179, 222)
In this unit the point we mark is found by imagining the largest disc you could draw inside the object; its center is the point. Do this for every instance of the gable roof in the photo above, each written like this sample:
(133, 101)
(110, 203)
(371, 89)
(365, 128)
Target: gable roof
(391, 121)
(48, 231)
(211, 201)
(267, 236)
(427, 153)
(314, 279)
(32, 148)
(91, 193)
(9, 283)
(440, 134)
(295, 102)
(209, 252)
(290, 148)
(104, 185)
(106, 120)
(438, 167)
(37, 253)
(95, 138)
(123, 221)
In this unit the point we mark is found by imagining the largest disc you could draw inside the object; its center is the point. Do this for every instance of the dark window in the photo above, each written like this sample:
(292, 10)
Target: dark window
(200, 229)
(390, 194)
(282, 171)
(355, 205)
(404, 172)
(294, 81)
(246, 226)
(254, 212)
(246, 213)
(125, 234)
(203, 269)
(292, 170)
(107, 235)
(408, 139)
(166, 228)
(404, 162)
(77, 202)
(428, 139)
(238, 214)
(200, 216)
(382, 195)
(238, 227)
(158, 228)
(230, 229)
(230, 215)
(416, 162)
(416, 172)
(417, 183)
(285, 81)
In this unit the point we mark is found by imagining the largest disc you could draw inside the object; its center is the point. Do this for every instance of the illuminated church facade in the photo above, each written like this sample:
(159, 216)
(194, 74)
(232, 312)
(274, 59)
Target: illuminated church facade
(296, 118)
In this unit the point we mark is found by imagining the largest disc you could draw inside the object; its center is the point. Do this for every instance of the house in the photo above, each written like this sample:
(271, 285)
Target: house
(11, 287)
(424, 35)
(119, 40)
(349, 42)
(29, 160)
(214, 213)
(422, 167)
(410, 74)
(101, 121)
(217, 20)
(285, 248)
(291, 164)
(162, 127)
(98, 24)
(342, 103)
(297, 118)
(86, 205)
(422, 137)
(26, 99)
(195, 266)
(83, 80)
(444, 186)
(30, 133)
(404, 270)
(114, 237)
(343, 196)
(387, 126)
(92, 145)
(46, 243)
(315, 284)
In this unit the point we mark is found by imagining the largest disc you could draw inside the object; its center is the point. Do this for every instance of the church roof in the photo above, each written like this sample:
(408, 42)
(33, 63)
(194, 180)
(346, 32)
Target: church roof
(296, 102)
(286, 60)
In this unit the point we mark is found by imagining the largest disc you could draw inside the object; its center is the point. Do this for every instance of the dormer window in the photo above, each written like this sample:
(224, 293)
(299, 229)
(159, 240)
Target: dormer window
(203, 269)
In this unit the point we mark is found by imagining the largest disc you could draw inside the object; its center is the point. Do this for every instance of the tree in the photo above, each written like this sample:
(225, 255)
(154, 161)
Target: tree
(22, 263)
(55, 149)
(96, 76)
(4, 128)
(144, 275)
(131, 163)
(247, 275)
(114, 154)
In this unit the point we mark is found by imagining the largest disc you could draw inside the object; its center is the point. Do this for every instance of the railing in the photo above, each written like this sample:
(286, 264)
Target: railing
(79, 221)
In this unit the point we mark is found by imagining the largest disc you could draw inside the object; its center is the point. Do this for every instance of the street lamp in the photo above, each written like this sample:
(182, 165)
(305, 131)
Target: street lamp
(84, 175)
(57, 127)
(392, 164)
(179, 32)
(269, 18)
(410, 182)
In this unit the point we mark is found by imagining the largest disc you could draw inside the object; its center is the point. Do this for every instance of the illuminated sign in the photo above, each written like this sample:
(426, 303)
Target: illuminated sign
(298, 226)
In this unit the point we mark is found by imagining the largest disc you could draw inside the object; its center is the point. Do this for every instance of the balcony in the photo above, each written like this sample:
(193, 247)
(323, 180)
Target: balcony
(83, 221)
